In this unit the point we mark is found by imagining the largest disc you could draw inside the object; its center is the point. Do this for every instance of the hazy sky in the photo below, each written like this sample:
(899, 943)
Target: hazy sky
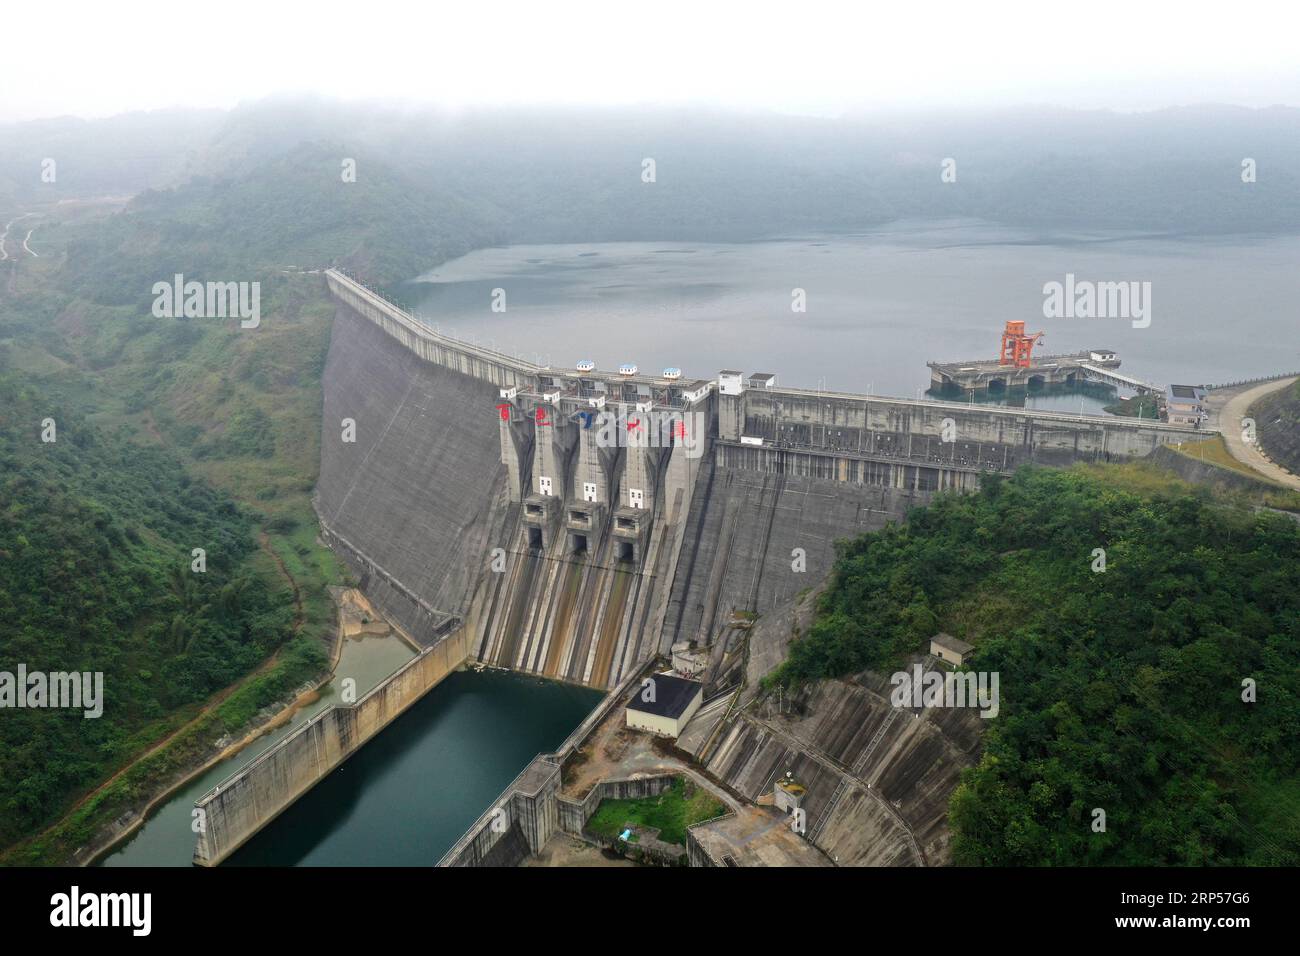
(803, 57)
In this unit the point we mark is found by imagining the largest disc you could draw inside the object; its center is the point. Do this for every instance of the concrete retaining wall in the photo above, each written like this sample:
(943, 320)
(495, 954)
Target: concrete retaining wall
(694, 852)
(240, 806)
(1208, 473)
(526, 809)
(574, 814)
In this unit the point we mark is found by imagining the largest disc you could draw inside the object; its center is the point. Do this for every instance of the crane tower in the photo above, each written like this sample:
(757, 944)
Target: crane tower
(1017, 345)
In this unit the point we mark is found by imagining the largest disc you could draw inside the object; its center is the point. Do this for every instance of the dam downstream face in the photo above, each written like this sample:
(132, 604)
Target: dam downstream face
(410, 793)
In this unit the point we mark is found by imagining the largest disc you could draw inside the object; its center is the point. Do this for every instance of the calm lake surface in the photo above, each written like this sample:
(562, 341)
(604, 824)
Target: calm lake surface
(880, 304)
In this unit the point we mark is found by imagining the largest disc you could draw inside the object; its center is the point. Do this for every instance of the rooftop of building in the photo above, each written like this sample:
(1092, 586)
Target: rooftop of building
(954, 644)
(672, 695)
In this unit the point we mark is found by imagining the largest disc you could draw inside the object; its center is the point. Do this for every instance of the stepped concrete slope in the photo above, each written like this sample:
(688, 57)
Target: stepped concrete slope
(877, 777)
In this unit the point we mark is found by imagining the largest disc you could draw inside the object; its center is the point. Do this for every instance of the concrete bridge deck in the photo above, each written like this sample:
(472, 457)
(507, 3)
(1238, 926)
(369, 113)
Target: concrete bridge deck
(1098, 374)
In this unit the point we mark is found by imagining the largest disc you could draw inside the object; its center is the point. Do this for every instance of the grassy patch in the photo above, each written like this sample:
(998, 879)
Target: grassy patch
(681, 806)
(1214, 451)
(1139, 406)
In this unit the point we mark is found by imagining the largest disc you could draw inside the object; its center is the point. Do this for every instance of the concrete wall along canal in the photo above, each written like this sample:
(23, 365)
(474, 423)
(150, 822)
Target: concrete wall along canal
(240, 806)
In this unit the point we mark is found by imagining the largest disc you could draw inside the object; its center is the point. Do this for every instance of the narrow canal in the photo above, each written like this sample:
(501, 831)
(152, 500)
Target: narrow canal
(409, 793)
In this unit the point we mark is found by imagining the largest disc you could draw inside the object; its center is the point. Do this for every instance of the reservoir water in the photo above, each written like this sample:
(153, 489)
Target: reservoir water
(880, 304)
(409, 793)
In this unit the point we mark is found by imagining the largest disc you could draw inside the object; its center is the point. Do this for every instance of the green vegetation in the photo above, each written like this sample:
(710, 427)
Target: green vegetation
(96, 539)
(681, 806)
(172, 434)
(1139, 406)
(1120, 690)
(299, 661)
(291, 212)
(1214, 451)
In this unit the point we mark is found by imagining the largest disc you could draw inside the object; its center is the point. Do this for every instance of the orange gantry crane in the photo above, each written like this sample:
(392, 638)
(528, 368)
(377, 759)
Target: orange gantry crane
(1017, 345)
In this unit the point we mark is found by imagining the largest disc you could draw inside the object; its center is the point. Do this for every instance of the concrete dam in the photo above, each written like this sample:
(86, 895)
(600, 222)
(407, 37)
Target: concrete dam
(480, 492)
(576, 524)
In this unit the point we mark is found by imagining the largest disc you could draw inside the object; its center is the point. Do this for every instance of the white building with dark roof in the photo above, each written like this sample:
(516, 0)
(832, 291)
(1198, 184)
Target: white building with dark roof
(663, 704)
(950, 649)
(1184, 405)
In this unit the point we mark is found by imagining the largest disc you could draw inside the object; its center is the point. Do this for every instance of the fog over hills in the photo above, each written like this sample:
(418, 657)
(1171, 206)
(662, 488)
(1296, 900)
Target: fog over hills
(576, 175)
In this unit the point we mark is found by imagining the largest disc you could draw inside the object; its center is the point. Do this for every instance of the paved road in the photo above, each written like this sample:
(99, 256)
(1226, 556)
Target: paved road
(1228, 409)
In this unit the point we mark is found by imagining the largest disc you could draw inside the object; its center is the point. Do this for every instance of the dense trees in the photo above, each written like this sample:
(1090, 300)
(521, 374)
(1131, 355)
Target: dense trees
(96, 537)
(1121, 690)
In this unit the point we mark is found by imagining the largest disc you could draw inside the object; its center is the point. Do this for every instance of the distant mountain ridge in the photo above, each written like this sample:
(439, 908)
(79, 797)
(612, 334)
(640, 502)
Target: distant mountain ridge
(265, 180)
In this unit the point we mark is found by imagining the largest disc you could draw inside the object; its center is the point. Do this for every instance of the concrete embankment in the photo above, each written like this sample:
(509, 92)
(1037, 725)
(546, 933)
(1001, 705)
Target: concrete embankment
(244, 803)
(878, 777)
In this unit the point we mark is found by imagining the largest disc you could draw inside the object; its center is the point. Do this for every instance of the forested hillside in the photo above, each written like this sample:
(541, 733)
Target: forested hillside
(1120, 690)
(293, 213)
(96, 539)
(171, 433)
